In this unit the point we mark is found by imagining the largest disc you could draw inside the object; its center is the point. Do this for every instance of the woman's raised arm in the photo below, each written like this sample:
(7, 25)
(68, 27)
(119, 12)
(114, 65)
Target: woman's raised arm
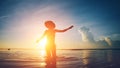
(64, 29)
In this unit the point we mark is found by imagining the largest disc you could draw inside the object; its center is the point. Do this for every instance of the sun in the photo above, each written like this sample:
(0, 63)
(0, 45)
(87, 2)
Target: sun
(42, 53)
(42, 43)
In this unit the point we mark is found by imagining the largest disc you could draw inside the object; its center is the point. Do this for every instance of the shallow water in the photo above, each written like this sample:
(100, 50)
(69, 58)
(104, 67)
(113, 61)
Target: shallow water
(65, 59)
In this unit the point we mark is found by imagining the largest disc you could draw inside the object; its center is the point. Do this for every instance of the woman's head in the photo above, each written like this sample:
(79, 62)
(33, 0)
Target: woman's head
(50, 24)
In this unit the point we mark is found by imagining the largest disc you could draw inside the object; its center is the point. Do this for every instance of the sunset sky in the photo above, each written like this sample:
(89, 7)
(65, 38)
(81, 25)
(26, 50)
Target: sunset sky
(96, 22)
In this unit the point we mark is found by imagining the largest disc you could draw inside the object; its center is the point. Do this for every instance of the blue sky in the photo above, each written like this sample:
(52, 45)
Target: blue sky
(101, 17)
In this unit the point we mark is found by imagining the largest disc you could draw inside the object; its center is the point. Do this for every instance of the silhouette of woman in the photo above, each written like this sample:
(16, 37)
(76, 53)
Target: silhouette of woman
(50, 45)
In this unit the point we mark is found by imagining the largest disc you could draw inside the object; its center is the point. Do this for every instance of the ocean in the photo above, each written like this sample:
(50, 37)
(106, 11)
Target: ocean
(65, 59)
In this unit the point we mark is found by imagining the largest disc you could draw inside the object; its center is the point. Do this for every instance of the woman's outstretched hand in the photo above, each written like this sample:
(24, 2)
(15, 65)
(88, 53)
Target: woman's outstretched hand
(70, 27)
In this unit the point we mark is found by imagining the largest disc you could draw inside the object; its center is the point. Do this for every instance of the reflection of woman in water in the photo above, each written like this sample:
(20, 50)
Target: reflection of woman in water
(50, 35)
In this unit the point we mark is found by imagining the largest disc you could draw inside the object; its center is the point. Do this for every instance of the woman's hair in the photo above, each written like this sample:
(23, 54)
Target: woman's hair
(50, 24)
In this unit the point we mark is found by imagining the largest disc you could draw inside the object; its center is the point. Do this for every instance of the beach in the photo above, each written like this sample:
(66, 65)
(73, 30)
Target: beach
(65, 59)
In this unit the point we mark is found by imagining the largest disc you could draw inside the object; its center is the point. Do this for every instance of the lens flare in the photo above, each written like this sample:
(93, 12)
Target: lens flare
(42, 43)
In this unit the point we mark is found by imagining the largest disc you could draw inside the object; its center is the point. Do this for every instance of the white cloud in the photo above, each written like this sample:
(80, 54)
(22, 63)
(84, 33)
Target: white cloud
(106, 41)
(87, 36)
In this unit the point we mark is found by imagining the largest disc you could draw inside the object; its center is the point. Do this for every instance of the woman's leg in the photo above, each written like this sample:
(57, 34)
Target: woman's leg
(54, 54)
(48, 53)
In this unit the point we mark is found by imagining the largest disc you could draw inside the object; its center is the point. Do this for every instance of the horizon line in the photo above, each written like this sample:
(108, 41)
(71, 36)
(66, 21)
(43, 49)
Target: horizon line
(64, 49)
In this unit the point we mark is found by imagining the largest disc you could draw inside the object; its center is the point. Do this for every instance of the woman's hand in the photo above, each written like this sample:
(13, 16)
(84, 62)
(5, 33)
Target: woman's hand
(70, 27)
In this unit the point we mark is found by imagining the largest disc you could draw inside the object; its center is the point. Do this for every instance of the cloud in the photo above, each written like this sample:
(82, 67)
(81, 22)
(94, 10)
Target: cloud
(106, 41)
(1, 17)
(115, 37)
(87, 36)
